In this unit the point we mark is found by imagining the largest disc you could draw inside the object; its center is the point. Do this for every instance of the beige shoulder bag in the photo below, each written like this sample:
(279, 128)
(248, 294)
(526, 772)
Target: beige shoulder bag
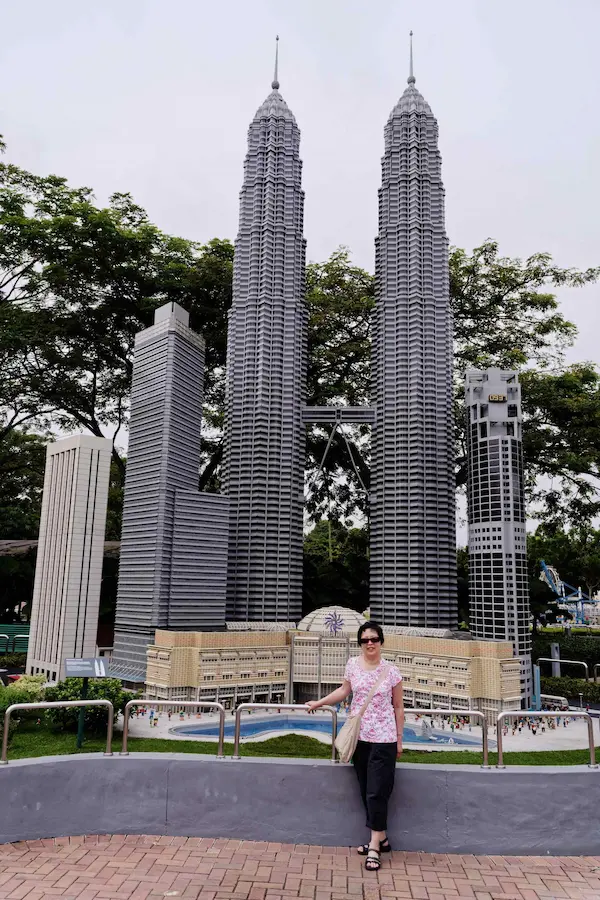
(347, 739)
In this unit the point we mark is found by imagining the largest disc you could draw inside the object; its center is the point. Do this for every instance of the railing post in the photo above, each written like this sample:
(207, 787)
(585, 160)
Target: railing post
(500, 748)
(590, 727)
(334, 758)
(109, 731)
(236, 733)
(4, 753)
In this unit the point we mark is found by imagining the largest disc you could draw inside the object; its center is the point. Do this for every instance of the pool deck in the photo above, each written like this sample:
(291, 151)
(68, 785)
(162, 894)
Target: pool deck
(573, 737)
(139, 867)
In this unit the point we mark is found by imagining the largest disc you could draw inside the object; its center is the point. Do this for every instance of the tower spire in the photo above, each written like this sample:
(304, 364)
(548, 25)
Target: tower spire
(411, 78)
(275, 82)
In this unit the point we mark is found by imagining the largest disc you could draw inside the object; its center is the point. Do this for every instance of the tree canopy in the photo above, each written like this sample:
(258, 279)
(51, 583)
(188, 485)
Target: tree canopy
(77, 281)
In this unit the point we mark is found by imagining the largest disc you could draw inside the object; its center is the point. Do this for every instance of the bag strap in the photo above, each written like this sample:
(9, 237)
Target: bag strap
(371, 693)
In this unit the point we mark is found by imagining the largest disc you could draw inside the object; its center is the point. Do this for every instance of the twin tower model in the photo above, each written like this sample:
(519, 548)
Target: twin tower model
(192, 561)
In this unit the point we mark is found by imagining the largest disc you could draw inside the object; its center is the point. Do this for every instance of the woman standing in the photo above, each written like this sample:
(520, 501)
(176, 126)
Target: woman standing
(380, 739)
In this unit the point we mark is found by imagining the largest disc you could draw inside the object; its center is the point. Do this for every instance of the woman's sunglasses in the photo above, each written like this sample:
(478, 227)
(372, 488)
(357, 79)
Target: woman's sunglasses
(375, 640)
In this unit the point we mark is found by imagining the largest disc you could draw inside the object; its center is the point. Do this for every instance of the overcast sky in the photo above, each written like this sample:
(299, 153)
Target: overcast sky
(155, 97)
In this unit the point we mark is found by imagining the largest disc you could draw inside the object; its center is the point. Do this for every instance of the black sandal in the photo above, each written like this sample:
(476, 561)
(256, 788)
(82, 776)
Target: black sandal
(384, 847)
(373, 863)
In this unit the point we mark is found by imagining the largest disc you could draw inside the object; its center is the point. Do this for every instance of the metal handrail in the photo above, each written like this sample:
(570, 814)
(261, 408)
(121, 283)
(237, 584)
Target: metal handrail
(19, 637)
(473, 713)
(176, 704)
(57, 704)
(596, 667)
(540, 714)
(297, 706)
(571, 662)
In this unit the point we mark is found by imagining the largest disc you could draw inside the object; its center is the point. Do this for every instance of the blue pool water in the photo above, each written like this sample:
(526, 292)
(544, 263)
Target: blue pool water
(252, 726)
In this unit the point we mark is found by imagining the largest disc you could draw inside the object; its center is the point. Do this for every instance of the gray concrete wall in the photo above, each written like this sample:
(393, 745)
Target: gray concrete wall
(454, 809)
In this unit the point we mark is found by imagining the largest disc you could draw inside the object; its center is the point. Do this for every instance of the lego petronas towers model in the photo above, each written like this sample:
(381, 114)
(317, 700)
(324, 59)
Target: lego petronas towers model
(413, 549)
(266, 366)
(413, 546)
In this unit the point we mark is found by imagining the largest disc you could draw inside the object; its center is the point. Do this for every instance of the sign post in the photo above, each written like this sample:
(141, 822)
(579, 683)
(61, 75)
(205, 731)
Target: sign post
(81, 720)
(86, 669)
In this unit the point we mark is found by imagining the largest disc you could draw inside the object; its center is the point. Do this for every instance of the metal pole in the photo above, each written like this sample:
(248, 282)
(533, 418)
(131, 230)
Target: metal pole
(290, 684)
(56, 704)
(81, 722)
(319, 664)
(179, 704)
(537, 686)
(299, 706)
(590, 728)
(500, 748)
(555, 654)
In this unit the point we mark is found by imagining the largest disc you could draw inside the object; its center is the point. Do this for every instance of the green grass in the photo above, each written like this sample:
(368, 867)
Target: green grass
(30, 740)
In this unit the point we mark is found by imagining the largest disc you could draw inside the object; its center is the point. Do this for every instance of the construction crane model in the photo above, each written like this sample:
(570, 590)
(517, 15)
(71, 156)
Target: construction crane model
(569, 598)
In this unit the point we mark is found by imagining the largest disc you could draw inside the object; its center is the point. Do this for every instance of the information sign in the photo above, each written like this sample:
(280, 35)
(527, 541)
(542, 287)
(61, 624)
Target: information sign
(86, 668)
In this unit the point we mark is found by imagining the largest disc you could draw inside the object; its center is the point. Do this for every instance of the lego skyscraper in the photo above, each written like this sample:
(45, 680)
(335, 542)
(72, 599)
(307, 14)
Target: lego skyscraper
(413, 546)
(266, 375)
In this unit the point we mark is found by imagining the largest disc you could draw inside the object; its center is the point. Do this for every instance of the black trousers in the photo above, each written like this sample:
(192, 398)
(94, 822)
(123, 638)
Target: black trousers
(375, 767)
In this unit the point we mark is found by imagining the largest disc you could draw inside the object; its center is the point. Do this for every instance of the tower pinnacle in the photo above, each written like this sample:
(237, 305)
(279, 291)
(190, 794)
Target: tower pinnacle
(275, 82)
(411, 78)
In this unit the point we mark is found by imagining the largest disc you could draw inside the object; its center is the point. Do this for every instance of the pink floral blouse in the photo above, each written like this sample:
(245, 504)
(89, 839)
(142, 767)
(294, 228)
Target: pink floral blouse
(378, 724)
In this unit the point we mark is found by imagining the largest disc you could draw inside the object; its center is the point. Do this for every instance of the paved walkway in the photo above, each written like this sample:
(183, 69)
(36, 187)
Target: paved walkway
(137, 868)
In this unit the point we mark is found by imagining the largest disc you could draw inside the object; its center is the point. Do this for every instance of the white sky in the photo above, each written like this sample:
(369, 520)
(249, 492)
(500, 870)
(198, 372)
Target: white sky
(155, 97)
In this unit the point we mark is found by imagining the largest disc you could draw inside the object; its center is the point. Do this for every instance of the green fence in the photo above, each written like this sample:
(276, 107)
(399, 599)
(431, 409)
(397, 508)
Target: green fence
(14, 638)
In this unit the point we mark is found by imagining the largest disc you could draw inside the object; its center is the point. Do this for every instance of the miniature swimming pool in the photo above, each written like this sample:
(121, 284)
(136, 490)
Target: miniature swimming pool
(254, 726)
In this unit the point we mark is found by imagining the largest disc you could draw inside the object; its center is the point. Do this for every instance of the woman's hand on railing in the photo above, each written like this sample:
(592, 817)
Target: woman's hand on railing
(312, 705)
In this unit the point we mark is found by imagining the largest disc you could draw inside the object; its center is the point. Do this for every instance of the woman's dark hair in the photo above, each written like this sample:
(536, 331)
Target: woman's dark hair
(370, 626)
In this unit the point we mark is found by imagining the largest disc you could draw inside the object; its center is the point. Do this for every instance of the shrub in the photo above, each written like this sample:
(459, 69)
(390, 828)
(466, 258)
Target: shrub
(571, 688)
(98, 689)
(13, 660)
(14, 694)
(574, 646)
(31, 686)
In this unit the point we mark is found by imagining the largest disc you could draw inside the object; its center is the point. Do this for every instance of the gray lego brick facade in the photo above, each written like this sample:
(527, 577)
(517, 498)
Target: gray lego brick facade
(413, 545)
(266, 374)
(498, 580)
(199, 562)
(68, 573)
(163, 457)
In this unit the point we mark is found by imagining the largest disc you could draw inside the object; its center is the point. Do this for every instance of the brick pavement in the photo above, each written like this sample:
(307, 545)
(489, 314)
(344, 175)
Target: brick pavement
(140, 867)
